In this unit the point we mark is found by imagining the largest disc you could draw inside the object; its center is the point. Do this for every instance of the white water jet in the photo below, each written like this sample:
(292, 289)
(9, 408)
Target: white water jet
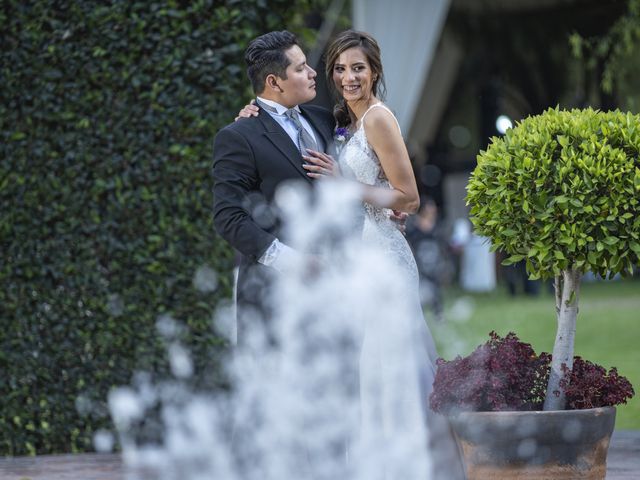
(296, 408)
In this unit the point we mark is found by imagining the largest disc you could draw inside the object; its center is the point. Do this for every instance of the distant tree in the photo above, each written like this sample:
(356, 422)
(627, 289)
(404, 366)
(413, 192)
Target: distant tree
(615, 57)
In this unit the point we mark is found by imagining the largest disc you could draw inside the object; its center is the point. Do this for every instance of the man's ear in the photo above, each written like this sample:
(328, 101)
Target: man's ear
(271, 83)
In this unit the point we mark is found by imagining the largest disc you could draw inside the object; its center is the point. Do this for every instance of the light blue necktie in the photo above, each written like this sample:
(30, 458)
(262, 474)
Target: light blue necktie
(305, 140)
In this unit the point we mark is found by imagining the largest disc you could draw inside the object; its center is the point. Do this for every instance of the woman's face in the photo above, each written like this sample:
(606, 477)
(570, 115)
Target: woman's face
(352, 75)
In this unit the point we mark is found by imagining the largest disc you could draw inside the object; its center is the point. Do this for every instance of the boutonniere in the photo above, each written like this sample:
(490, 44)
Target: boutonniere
(341, 134)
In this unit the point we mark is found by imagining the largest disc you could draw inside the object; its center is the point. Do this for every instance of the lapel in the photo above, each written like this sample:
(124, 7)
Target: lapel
(279, 138)
(322, 127)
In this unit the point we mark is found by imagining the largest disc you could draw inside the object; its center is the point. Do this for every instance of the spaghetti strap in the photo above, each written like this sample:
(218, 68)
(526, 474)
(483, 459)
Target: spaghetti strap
(379, 104)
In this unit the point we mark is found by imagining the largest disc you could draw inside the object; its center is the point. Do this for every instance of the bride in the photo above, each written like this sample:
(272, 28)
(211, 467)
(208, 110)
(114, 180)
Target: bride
(375, 155)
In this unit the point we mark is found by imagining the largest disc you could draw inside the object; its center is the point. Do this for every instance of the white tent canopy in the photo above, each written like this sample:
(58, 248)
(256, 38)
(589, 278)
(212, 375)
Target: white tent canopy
(407, 32)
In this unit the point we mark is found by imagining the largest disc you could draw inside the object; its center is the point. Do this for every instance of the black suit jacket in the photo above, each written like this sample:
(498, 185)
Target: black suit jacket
(251, 159)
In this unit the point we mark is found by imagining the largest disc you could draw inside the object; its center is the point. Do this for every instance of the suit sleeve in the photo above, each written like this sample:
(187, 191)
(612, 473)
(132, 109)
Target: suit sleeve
(235, 180)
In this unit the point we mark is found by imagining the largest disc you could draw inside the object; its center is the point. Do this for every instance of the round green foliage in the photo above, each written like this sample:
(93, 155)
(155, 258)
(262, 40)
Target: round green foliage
(108, 112)
(561, 190)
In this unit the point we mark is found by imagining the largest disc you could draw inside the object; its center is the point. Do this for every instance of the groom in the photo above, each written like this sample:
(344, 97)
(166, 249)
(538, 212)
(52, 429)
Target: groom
(253, 156)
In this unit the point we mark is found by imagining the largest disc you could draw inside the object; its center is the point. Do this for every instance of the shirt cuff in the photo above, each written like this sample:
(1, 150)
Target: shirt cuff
(278, 256)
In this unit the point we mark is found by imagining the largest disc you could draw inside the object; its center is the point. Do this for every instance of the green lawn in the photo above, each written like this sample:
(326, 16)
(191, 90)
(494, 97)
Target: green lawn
(608, 330)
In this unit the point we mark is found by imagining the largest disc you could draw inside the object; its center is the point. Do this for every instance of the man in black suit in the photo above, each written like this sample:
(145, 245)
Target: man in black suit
(254, 156)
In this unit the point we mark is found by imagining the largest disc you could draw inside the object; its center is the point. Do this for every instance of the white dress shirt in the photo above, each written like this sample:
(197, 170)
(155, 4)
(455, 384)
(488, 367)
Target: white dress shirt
(288, 126)
(278, 255)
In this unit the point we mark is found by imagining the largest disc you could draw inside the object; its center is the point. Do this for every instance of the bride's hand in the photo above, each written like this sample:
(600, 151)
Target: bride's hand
(320, 165)
(400, 220)
(247, 111)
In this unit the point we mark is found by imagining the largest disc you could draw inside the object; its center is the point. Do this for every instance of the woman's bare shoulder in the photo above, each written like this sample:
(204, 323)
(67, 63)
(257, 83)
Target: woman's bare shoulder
(380, 120)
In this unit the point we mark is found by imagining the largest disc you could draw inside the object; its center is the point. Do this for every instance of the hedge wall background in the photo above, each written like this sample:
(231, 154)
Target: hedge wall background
(107, 116)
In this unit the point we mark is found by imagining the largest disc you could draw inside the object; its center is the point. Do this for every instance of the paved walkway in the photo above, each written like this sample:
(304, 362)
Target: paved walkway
(623, 460)
(623, 463)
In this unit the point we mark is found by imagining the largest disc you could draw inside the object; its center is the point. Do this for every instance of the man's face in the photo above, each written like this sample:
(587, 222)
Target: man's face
(300, 85)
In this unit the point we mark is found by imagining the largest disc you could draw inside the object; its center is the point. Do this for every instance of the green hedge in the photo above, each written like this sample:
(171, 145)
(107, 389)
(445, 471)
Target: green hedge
(107, 116)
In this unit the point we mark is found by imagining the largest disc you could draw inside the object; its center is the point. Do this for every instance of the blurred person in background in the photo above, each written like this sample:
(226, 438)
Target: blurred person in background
(425, 235)
(477, 270)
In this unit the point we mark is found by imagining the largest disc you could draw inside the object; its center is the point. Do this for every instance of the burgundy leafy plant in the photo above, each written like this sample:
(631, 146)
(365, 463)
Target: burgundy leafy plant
(506, 374)
(502, 374)
(589, 385)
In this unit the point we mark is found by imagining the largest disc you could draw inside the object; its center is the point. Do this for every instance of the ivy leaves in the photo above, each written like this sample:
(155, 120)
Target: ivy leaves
(107, 116)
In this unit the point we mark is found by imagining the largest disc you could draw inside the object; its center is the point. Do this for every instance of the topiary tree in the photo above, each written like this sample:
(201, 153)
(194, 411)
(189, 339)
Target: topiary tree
(561, 192)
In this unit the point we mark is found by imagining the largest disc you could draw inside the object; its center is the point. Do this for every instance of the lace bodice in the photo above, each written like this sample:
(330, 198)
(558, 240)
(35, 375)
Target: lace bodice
(359, 160)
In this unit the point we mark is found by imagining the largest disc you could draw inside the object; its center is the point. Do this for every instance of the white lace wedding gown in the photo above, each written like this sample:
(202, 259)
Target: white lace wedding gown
(397, 361)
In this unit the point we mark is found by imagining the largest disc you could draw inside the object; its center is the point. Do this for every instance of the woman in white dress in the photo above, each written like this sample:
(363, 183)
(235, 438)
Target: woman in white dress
(375, 156)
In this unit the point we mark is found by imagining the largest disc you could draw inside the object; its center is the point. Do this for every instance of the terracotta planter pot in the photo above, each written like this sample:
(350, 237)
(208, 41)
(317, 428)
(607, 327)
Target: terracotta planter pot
(565, 444)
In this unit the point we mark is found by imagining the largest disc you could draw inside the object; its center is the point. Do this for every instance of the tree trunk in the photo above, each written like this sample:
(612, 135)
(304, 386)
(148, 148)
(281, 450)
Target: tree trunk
(567, 312)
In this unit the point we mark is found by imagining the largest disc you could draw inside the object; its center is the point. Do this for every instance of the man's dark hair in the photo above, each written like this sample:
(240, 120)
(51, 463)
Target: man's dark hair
(266, 54)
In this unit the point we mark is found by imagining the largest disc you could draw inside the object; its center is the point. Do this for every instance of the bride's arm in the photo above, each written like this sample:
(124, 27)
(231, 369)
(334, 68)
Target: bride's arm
(384, 137)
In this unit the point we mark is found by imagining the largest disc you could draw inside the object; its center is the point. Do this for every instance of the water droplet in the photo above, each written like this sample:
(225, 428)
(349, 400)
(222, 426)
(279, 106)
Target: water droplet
(181, 365)
(205, 279)
(115, 305)
(103, 441)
